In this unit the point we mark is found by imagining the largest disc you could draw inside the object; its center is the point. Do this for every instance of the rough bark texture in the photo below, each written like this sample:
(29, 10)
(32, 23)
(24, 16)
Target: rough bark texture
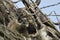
(27, 23)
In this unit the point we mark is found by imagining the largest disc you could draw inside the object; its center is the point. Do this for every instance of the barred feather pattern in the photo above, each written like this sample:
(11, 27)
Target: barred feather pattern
(28, 23)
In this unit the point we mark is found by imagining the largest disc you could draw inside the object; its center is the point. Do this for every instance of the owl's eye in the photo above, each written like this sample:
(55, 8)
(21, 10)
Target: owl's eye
(22, 29)
(31, 29)
(1, 34)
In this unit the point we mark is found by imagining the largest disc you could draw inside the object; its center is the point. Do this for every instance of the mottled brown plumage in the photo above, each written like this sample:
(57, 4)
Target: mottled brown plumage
(28, 23)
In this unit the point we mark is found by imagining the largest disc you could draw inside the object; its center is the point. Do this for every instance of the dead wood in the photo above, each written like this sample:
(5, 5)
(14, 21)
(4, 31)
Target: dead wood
(28, 23)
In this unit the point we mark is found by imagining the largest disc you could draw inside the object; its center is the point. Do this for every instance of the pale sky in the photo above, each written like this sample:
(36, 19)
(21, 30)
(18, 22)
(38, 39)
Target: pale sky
(49, 9)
